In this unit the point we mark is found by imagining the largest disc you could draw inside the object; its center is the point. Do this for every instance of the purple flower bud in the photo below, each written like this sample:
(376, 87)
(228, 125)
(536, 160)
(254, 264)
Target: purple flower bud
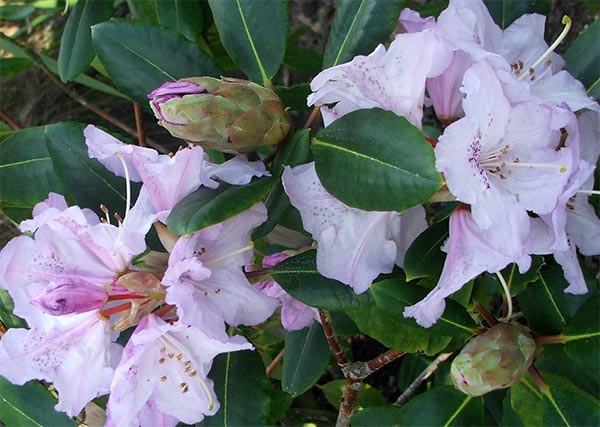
(59, 299)
(172, 90)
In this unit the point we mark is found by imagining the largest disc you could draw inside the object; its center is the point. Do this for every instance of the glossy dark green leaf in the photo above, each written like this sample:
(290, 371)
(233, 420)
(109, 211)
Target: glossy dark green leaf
(294, 97)
(88, 183)
(76, 50)
(207, 206)
(304, 61)
(525, 402)
(505, 12)
(358, 27)
(425, 257)
(139, 57)
(393, 295)
(183, 16)
(440, 406)
(367, 395)
(241, 387)
(307, 356)
(11, 66)
(14, 12)
(27, 174)
(298, 275)
(294, 152)
(8, 319)
(29, 405)
(376, 161)
(253, 33)
(583, 59)
(280, 403)
(583, 337)
(567, 405)
(427, 9)
(385, 328)
(546, 306)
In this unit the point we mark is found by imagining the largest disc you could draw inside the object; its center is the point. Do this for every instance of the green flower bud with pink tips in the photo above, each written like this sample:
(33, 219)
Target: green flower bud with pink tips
(496, 359)
(230, 115)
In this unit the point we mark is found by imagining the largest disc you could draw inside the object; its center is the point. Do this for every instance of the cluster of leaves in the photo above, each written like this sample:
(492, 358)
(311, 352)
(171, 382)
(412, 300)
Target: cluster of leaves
(168, 40)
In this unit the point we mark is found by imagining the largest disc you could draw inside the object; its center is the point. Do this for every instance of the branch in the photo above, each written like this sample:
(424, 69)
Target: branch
(137, 110)
(9, 121)
(491, 320)
(275, 362)
(427, 372)
(314, 115)
(332, 340)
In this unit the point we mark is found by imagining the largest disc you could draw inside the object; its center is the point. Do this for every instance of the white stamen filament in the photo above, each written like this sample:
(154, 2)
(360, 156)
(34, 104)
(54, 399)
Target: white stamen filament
(593, 192)
(561, 168)
(127, 183)
(566, 21)
(508, 298)
(239, 251)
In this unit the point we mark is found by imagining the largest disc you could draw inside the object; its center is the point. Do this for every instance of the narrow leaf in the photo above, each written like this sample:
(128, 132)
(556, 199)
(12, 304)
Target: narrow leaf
(505, 12)
(307, 355)
(11, 66)
(7, 317)
(294, 97)
(183, 16)
(304, 61)
(240, 384)
(425, 257)
(76, 50)
(253, 33)
(583, 59)
(207, 206)
(140, 56)
(358, 27)
(583, 335)
(298, 275)
(376, 161)
(29, 405)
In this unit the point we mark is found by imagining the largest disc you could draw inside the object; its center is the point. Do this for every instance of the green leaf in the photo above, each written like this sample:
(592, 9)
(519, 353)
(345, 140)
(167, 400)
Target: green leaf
(280, 403)
(76, 50)
(183, 16)
(299, 277)
(505, 12)
(373, 321)
(294, 152)
(294, 97)
(7, 317)
(207, 206)
(393, 295)
(241, 387)
(86, 180)
(368, 395)
(15, 12)
(440, 406)
(583, 337)
(583, 59)
(565, 404)
(358, 27)
(139, 56)
(29, 405)
(11, 66)
(253, 33)
(304, 61)
(425, 257)
(427, 9)
(375, 160)
(27, 174)
(307, 356)
(545, 304)
(526, 402)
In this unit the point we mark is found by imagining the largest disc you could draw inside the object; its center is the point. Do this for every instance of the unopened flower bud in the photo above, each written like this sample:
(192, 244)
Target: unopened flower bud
(230, 115)
(60, 299)
(493, 360)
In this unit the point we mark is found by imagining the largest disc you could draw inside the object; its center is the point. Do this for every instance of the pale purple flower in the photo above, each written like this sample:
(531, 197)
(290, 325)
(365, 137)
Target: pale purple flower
(471, 251)
(205, 277)
(392, 79)
(162, 376)
(295, 315)
(354, 246)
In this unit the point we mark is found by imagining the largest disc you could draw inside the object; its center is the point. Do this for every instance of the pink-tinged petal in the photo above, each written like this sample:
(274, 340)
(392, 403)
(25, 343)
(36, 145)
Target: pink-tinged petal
(67, 297)
(583, 226)
(354, 246)
(562, 87)
(237, 171)
(411, 22)
(55, 210)
(166, 365)
(74, 353)
(444, 90)
(176, 88)
(471, 251)
(572, 270)
(222, 249)
(393, 80)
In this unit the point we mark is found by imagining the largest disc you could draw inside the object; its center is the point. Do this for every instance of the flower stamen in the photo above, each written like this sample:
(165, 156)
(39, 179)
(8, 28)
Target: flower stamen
(508, 298)
(127, 183)
(239, 251)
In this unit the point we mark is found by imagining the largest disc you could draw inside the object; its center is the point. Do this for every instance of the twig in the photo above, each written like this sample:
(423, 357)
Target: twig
(10, 121)
(427, 372)
(491, 320)
(550, 339)
(332, 340)
(137, 110)
(275, 362)
(313, 116)
(538, 378)
(347, 405)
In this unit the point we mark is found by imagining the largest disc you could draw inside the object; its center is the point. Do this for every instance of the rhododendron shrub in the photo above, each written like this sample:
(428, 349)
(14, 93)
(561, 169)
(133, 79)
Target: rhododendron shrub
(427, 206)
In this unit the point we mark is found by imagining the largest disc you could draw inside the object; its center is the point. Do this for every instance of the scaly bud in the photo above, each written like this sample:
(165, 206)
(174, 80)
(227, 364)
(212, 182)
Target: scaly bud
(493, 360)
(230, 115)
